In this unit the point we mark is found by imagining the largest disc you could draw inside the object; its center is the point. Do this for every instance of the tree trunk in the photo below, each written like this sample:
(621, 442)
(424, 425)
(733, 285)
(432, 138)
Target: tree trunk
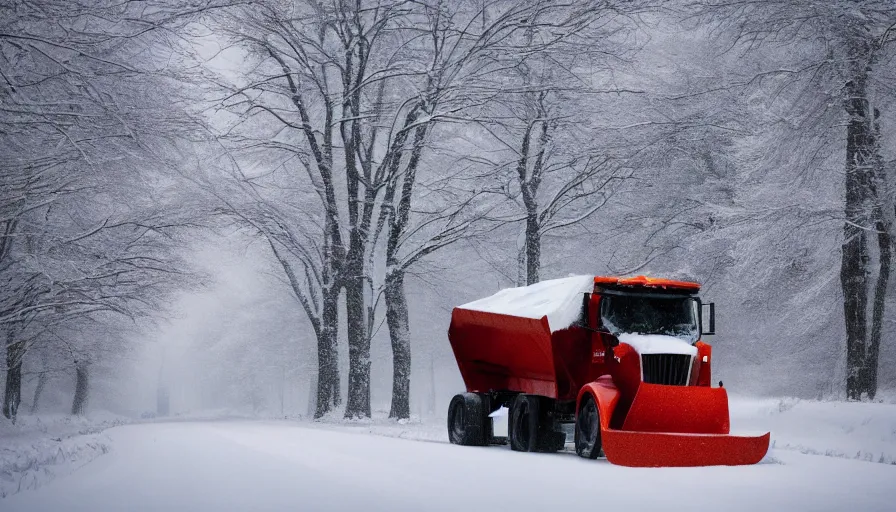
(396, 299)
(38, 391)
(853, 281)
(863, 214)
(399, 333)
(533, 248)
(163, 400)
(82, 388)
(313, 391)
(325, 324)
(878, 305)
(358, 401)
(884, 215)
(521, 258)
(530, 181)
(328, 355)
(12, 397)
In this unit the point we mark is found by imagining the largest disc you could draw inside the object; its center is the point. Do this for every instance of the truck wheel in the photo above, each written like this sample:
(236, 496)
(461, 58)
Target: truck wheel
(530, 427)
(465, 420)
(588, 429)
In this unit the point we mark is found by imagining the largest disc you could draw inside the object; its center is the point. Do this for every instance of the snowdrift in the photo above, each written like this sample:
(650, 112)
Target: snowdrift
(37, 449)
(558, 300)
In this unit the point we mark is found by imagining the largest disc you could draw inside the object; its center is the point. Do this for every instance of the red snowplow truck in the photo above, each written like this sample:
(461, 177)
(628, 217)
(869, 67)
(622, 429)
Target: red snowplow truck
(620, 358)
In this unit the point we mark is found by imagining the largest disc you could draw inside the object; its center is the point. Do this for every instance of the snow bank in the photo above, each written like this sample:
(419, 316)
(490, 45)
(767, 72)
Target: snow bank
(57, 425)
(37, 449)
(28, 466)
(849, 430)
(657, 344)
(560, 300)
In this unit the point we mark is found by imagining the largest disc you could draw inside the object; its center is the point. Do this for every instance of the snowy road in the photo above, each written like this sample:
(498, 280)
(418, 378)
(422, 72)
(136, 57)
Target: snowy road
(255, 466)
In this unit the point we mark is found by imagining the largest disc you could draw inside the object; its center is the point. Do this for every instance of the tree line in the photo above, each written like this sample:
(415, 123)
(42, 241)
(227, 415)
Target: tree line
(359, 139)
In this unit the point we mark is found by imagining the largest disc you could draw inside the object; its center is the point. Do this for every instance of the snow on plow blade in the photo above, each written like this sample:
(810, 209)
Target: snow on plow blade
(660, 449)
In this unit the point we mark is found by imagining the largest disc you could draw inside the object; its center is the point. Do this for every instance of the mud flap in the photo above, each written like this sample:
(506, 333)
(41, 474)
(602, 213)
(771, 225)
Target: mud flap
(661, 449)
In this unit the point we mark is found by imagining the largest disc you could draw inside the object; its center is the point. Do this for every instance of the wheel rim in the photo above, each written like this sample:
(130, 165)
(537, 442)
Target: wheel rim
(457, 425)
(588, 425)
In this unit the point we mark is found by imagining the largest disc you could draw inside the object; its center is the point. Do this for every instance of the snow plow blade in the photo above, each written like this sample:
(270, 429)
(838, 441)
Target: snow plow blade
(659, 449)
(680, 426)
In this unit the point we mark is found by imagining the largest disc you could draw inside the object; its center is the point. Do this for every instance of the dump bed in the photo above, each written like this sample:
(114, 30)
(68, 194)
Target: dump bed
(525, 339)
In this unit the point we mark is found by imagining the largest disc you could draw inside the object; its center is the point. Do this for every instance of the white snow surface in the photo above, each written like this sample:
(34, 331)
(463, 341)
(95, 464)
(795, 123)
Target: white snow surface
(37, 449)
(847, 430)
(826, 456)
(499, 412)
(657, 344)
(558, 299)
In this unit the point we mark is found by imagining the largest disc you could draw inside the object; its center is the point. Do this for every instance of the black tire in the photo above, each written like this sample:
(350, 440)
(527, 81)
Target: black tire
(530, 426)
(466, 425)
(588, 442)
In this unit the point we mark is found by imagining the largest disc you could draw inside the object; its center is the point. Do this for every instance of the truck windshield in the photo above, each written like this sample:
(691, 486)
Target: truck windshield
(673, 316)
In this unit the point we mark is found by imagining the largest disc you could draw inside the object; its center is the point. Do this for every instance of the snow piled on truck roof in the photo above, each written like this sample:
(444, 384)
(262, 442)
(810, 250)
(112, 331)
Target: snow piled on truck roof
(558, 299)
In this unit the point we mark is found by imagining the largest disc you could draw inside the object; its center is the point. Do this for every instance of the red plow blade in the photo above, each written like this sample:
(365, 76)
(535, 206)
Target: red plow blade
(660, 449)
(680, 426)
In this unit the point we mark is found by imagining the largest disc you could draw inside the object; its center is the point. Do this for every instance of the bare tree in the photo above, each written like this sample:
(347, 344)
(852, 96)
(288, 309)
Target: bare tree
(298, 243)
(457, 42)
(832, 87)
(375, 79)
(73, 242)
(542, 106)
(312, 55)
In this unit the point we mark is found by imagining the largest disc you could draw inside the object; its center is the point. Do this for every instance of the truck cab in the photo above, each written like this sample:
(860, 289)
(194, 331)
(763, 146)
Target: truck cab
(658, 322)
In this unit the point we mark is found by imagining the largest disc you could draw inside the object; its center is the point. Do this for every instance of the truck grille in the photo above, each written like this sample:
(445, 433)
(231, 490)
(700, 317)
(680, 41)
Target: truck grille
(669, 369)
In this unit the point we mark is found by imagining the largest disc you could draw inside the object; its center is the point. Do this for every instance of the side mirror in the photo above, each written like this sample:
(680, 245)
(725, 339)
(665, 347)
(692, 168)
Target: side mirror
(708, 322)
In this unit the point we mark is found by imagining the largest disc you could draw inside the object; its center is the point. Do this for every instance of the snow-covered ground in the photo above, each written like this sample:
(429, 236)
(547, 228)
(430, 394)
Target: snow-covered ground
(826, 456)
(37, 449)
(850, 430)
